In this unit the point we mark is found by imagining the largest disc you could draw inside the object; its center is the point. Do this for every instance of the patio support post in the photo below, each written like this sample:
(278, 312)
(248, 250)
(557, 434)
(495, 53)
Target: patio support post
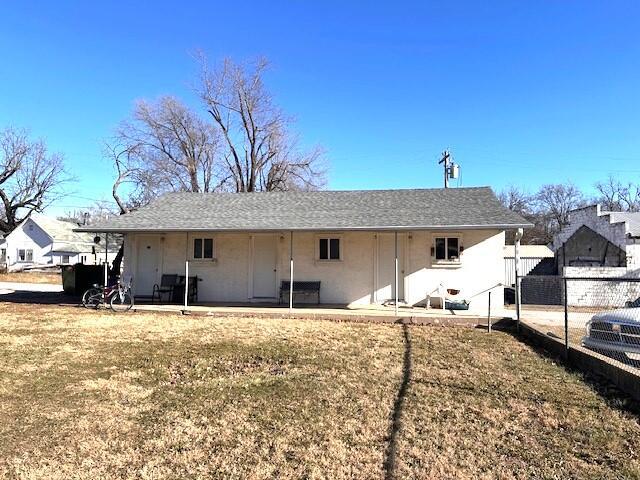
(104, 290)
(186, 283)
(517, 262)
(395, 272)
(186, 273)
(106, 248)
(290, 271)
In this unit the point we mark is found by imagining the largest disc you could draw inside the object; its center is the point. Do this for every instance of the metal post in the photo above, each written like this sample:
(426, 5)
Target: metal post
(104, 290)
(489, 314)
(395, 274)
(517, 262)
(290, 271)
(186, 283)
(106, 249)
(566, 320)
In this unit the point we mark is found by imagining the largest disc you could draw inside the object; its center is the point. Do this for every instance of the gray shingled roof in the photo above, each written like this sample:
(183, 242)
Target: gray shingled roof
(59, 230)
(318, 210)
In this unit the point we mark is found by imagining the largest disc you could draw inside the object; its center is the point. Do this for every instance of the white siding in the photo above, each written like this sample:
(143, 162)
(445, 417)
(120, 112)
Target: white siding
(28, 236)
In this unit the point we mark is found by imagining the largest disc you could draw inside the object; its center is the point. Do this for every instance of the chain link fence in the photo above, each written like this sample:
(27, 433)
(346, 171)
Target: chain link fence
(599, 314)
(603, 315)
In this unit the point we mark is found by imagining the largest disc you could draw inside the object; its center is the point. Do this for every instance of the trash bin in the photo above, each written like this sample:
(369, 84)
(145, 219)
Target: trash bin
(78, 278)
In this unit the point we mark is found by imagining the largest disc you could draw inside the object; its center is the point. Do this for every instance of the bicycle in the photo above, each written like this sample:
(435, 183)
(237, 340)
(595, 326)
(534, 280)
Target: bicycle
(118, 297)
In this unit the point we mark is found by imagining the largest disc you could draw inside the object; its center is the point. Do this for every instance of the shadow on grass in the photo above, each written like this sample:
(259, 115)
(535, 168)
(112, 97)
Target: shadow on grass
(39, 298)
(614, 397)
(396, 417)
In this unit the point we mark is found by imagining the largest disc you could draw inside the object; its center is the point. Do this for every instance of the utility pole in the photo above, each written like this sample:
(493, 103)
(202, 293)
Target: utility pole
(446, 157)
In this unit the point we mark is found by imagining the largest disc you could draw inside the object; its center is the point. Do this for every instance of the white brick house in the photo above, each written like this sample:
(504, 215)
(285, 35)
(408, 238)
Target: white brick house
(242, 246)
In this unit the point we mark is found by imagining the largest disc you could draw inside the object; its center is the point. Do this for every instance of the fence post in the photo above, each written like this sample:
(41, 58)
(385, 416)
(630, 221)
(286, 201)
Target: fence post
(489, 314)
(566, 319)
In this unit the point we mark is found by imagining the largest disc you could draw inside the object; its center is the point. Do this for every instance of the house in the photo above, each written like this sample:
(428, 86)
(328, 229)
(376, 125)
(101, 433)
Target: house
(44, 241)
(358, 244)
(531, 256)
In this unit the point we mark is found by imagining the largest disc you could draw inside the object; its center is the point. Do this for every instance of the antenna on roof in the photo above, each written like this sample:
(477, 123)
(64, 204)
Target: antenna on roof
(451, 169)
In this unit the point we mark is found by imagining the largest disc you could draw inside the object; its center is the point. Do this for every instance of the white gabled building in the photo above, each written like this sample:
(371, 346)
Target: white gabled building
(44, 241)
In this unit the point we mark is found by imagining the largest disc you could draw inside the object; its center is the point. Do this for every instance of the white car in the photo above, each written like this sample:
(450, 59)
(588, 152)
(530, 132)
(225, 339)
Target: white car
(615, 333)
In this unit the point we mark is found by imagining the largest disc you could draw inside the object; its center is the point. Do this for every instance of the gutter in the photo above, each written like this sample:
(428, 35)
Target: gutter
(398, 228)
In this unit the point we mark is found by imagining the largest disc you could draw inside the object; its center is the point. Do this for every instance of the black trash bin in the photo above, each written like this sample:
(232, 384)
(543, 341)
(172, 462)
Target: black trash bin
(78, 278)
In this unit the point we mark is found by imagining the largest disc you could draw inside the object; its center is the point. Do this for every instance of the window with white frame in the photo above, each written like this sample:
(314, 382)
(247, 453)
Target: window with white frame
(25, 255)
(446, 249)
(3, 255)
(330, 248)
(203, 249)
(65, 259)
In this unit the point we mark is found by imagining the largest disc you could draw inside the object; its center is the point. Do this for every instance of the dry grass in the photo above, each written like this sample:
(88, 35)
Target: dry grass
(96, 395)
(32, 277)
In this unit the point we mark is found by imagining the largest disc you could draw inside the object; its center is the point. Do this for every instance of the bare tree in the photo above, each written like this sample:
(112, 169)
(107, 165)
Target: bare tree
(260, 153)
(30, 177)
(555, 201)
(516, 200)
(164, 146)
(617, 196)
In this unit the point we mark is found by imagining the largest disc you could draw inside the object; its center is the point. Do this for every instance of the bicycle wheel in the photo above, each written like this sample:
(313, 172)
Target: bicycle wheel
(121, 301)
(92, 298)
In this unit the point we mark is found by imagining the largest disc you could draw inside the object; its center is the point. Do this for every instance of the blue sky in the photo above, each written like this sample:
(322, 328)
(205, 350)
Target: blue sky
(521, 92)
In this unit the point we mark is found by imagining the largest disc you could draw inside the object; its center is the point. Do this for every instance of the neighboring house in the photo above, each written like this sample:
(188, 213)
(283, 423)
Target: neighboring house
(40, 241)
(242, 245)
(531, 256)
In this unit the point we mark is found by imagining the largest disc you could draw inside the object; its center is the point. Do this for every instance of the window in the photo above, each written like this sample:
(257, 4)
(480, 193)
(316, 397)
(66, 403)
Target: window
(3, 255)
(25, 255)
(329, 249)
(65, 259)
(203, 248)
(446, 249)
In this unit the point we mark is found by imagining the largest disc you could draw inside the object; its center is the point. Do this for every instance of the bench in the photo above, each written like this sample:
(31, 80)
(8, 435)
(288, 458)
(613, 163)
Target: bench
(192, 292)
(300, 288)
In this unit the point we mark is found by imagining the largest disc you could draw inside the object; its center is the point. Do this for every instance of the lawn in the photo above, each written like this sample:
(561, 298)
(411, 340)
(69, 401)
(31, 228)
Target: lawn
(32, 277)
(90, 394)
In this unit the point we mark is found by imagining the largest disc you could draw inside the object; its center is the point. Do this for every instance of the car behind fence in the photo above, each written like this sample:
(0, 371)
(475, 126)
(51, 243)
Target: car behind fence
(595, 317)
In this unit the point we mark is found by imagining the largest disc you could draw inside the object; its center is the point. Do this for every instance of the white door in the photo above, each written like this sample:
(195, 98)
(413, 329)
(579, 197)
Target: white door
(385, 285)
(264, 266)
(147, 269)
